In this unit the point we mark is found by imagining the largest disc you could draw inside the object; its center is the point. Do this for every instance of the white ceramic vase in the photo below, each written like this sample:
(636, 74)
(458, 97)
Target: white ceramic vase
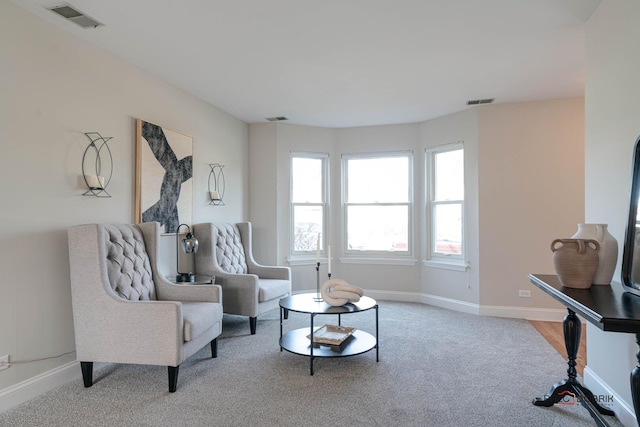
(608, 253)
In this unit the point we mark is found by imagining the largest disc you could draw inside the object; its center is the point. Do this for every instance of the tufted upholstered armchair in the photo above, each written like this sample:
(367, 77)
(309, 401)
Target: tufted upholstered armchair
(250, 289)
(125, 311)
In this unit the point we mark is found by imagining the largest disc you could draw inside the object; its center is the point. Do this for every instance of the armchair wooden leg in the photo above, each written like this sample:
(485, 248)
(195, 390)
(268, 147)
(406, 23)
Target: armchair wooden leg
(87, 373)
(214, 348)
(173, 378)
(253, 321)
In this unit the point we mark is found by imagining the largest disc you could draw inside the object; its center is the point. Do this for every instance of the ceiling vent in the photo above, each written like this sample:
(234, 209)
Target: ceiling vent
(277, 119)
(481, 101)
(74, 15)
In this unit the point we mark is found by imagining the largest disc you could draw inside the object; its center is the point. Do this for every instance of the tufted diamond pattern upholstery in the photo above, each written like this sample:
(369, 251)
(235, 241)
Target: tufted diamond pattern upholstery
(250, 289)
(128, 264)
(229, 250)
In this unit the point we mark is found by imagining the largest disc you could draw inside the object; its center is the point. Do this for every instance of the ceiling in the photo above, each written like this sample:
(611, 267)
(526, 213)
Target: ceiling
(346, 63)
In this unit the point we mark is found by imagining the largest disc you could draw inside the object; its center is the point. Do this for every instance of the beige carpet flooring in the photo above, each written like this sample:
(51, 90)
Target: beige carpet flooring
(437, 368)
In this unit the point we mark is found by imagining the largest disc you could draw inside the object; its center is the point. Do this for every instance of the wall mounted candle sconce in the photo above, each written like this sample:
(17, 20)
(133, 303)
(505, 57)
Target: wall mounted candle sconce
(216, 191)
(96, 160)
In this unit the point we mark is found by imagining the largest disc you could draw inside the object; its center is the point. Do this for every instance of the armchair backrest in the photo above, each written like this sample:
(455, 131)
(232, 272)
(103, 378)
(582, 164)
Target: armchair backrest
(127, 262)
(229, 250)
(114, 256)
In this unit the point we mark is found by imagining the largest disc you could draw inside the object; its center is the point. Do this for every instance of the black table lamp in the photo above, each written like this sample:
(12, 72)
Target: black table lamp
(189, 245)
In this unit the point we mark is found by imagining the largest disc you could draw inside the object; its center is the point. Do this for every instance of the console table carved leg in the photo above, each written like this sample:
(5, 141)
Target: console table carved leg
(572, 329)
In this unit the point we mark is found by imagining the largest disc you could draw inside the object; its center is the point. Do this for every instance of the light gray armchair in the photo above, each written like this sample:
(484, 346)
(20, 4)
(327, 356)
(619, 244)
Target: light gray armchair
(125, 311)
(250, 289)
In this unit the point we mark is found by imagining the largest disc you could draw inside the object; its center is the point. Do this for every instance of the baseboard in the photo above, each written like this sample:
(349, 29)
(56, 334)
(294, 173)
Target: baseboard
(528, 313)
(393, 296)
(435, 300)
(623, 410)
(451, 304)
(35, 386)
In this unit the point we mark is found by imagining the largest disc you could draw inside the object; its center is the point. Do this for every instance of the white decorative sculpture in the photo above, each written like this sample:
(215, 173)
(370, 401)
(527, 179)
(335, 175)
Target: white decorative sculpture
(337, 292)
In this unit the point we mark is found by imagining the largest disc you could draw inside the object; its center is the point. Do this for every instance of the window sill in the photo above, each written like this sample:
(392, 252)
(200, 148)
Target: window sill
(385, 261)
(455, 265)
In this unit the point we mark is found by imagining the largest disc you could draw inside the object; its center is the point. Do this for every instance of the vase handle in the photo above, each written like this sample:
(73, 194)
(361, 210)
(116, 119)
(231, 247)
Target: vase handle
(553, 244)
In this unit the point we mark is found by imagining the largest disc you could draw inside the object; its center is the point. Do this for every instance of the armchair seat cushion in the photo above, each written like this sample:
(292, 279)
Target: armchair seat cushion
(269, 289)
(198, 317)
(250, 289)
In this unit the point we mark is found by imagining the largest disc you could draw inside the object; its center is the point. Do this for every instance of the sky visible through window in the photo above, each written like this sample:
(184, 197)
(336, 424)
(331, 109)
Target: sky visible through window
(447, 209)
(378, 204)
(306, 188)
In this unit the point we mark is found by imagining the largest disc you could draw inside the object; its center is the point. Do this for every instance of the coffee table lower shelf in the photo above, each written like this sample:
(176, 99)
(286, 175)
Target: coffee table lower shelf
(296, 342)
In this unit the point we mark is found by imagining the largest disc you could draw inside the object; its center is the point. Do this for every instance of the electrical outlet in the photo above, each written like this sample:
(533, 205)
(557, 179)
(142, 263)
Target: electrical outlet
(4, 362)
(524, 293)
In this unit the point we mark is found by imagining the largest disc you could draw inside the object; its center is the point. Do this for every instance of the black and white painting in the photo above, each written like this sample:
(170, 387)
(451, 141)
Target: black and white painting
(164, 171)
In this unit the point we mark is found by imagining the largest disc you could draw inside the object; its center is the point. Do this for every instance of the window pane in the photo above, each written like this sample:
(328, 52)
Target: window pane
(307, 223)
(448, 229)
(449, 173)
(306, 177)
(379, 180)
(378, 228)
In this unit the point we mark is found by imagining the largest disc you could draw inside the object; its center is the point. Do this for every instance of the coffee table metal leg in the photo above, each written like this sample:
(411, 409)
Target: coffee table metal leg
(377, 342)
(281, 310)
(312, 344)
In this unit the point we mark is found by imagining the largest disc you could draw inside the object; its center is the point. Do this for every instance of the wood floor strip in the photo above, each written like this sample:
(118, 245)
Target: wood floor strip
(552, 332)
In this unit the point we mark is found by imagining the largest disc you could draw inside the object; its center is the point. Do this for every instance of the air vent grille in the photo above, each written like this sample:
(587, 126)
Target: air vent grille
(70, 13)
(276, 119)
(481, 101)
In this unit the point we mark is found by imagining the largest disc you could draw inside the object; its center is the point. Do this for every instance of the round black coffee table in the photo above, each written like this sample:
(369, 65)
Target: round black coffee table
(296, 341)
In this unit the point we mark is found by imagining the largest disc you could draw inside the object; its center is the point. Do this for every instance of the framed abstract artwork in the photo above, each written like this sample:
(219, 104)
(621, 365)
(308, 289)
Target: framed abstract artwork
(164, 172)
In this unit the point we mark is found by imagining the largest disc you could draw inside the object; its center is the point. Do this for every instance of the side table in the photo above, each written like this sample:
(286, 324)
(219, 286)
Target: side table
(200, 280)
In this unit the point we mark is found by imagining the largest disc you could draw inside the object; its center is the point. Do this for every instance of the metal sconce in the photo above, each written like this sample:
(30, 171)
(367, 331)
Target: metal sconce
(216, 193)
(96, 155)
(189, 246)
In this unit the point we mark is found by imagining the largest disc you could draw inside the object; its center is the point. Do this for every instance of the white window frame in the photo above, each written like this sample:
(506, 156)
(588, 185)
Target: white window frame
(370, 256)
(433, 258)
(306, 257)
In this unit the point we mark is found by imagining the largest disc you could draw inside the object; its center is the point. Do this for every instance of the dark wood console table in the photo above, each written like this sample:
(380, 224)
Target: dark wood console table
(610, 309)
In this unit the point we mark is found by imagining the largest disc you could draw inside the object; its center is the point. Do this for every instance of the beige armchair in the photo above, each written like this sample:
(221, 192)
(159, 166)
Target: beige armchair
(250, 289)
(125, 311)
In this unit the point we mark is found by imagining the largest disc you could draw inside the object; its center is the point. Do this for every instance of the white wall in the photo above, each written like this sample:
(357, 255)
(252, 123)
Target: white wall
(531, 180)
(54, 88)
(520, 160)
(612, 115)
(439, 283)
(380, 276)
(263, 191)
